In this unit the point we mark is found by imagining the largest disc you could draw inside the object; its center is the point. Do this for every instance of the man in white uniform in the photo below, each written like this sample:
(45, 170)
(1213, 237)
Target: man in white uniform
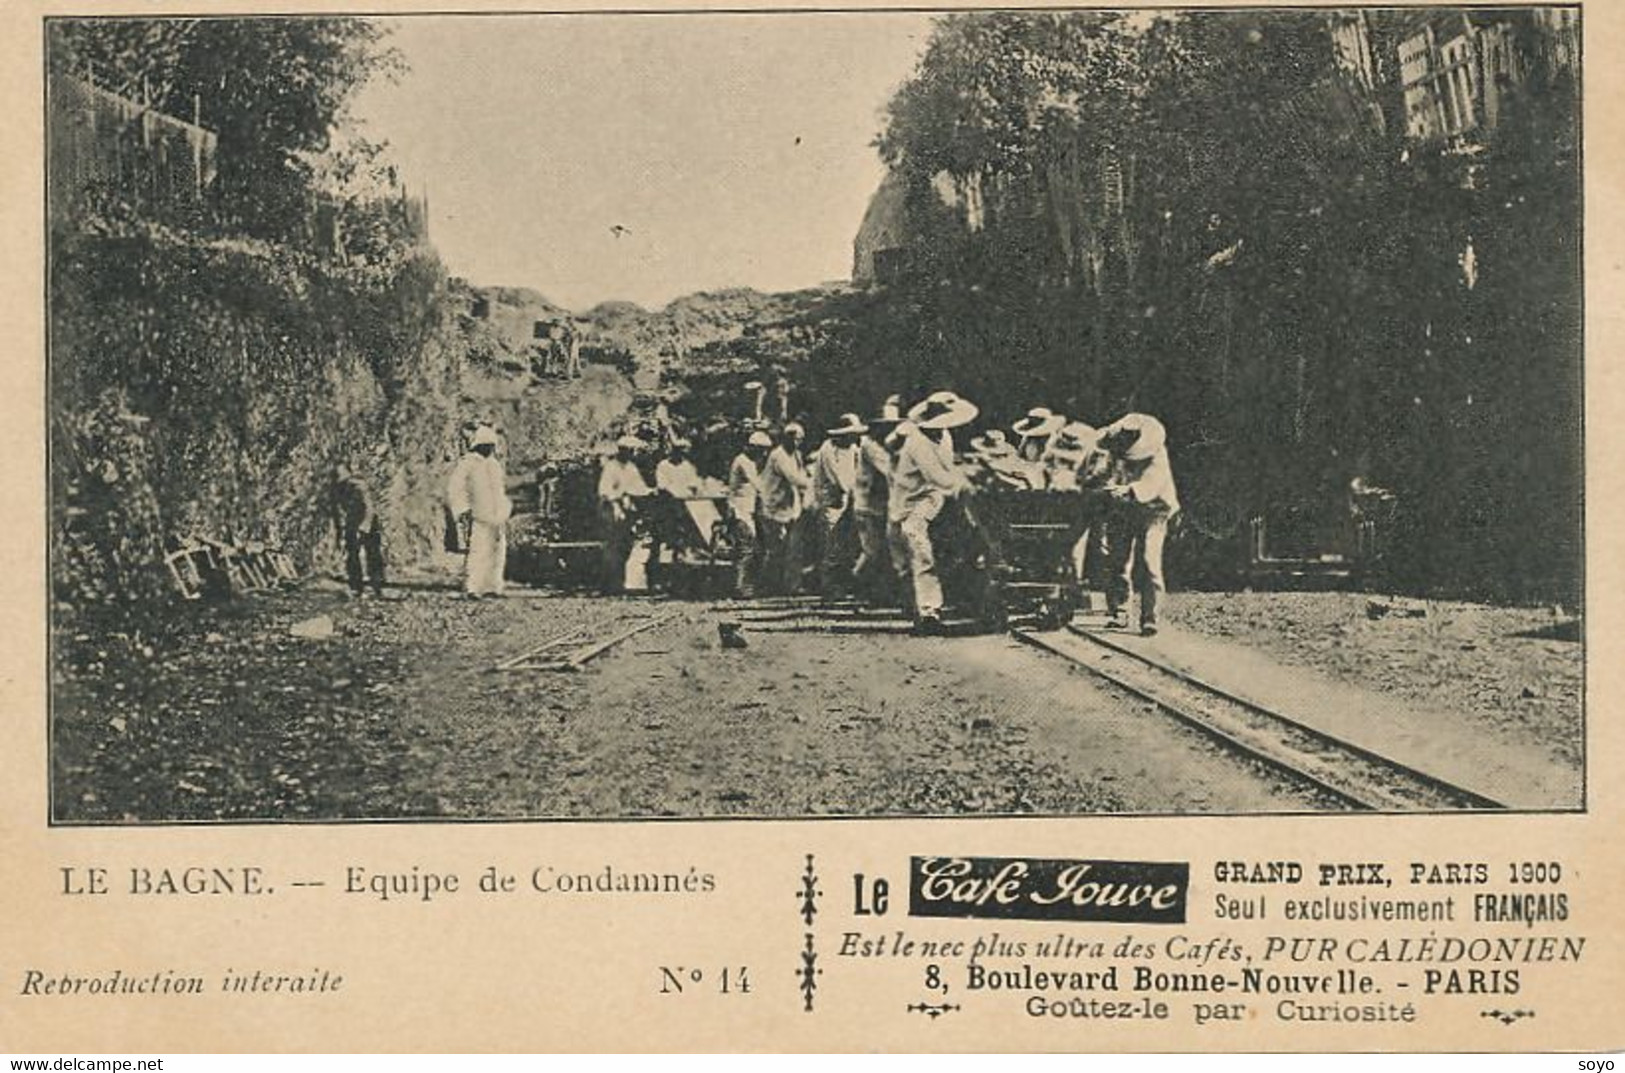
(835, 475)
(478, 495)
(677, 477)
(870, 494)
(783, 492)
(620, 486)
(676, 474)
(1144, 500)
(923, 481)
(744, 486)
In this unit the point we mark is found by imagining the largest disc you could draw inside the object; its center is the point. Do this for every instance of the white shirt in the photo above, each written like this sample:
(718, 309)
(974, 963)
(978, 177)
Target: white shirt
(743, 484)
(678, 478)
(835, 474)
(783, 484)
(479, 487)
(870, 483)
(925, 471)
(620, 480)
(1150, 481)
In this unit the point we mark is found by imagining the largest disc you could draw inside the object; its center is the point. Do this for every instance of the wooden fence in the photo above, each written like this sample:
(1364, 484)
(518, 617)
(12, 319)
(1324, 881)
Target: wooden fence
(102, 144)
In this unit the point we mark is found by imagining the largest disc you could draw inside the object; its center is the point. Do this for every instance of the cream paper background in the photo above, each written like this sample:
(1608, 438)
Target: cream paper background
(544, 972)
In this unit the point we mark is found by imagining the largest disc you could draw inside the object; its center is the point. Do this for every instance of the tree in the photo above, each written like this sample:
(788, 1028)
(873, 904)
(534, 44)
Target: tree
(271, 88)
(1205, 217)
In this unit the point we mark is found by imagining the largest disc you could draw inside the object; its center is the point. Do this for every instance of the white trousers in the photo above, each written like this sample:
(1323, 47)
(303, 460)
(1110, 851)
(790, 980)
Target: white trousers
(922, 560)
(487, 558)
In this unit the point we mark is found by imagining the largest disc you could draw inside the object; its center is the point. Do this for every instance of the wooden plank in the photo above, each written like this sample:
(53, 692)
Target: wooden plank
(593, 651)
(529, 661)
(514, 662)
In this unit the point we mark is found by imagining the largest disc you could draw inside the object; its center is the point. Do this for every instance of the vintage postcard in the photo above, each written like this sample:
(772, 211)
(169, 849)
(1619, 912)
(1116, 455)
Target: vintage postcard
(901, 529)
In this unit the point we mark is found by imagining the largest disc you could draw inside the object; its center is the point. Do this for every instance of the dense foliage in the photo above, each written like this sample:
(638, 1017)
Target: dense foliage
(207, 376)
(273, 89)
(1206, 218)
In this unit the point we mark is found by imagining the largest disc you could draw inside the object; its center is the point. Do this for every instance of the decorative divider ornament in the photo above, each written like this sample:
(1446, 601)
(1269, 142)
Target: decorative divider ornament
(809, 970)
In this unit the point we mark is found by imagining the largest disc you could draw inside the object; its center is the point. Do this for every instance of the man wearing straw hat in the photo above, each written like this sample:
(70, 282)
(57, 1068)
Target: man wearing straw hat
(676, 474)
(620, 486)
(1034, 431)
(784, 489)
(478, 496)
(996, 464)
(870, 492)
(1076, 462)
(924, 479)
(744, 486)
(677, 477)
(1144, 500)
(1068, 453)
(835, 477)
(1033, 436)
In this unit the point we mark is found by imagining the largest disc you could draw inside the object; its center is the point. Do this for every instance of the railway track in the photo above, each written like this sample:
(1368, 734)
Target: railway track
(1365, 780)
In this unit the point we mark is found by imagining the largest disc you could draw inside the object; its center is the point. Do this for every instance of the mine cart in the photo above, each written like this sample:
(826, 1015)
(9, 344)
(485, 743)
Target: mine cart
(555, 537)
(689, 547)
(1019, 554)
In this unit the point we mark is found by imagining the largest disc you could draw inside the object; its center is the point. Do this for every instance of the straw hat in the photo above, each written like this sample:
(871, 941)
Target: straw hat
(631, 443)
(759, 439)
(1040, 421)
(1149, 436)
(484, 436)
(943, 409)
(992, 444)
(794, 429)
(851, 425)
(891, 412)
(1076, 438)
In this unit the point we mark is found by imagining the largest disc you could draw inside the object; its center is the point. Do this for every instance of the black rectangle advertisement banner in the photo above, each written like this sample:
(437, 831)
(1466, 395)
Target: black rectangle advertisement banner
(1034, 888)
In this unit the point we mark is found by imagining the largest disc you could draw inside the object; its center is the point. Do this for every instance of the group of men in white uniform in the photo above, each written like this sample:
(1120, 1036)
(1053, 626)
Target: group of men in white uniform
(888, 479)
(1125, 479)
(884, 481)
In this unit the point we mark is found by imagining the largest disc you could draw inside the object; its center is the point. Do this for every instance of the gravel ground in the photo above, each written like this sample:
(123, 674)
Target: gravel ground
(399, 715)
(1517, 673)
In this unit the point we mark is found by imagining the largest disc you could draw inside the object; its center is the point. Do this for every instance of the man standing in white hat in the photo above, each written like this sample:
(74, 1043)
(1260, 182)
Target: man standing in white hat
(1034, 433)
(676, 474)
(1144, 500)
(835, 478)
(995, 463)
(870, 491)
(1076, 462)
(744, 486)
(924, 479)
(620, 486)
(478, 496)
(784, 489)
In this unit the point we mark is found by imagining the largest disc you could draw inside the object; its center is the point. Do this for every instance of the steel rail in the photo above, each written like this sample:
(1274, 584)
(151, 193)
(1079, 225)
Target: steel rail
(1366, 780)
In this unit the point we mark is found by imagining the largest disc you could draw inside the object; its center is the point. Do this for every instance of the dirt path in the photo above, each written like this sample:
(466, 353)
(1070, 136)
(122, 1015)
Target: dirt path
(1513, 674)
(399, 715)
(800, 723)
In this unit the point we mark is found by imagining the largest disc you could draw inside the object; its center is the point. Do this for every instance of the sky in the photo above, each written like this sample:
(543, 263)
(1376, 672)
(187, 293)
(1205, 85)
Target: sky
(643, 157)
